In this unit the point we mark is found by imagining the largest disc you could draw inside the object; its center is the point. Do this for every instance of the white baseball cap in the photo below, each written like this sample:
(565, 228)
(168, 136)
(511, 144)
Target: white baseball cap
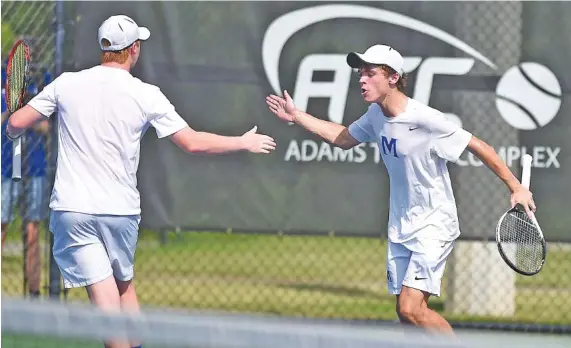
(121, 31)
(377, 55)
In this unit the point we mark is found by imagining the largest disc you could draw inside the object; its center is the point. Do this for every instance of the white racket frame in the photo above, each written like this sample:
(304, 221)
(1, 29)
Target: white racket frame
(525, 181)
(17, 159)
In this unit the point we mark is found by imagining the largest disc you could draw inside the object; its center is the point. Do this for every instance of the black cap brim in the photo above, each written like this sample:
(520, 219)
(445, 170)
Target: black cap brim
(354, 60)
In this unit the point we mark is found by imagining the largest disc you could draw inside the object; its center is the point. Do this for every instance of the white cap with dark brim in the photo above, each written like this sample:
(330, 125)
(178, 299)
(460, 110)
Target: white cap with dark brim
(121, 31)
(377, 55)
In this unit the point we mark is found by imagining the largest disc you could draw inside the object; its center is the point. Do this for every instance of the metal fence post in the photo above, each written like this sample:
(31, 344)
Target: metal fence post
(55, 276)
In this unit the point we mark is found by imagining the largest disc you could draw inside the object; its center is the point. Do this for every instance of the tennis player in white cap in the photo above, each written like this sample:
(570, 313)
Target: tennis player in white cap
(103, 113)
(415, 142)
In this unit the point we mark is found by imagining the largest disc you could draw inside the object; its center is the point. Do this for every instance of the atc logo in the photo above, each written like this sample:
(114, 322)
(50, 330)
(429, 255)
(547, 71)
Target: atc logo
(528, 95)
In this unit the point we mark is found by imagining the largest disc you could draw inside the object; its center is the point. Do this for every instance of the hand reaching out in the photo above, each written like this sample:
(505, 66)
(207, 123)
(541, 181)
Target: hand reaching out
(258, 143)
(283, 108)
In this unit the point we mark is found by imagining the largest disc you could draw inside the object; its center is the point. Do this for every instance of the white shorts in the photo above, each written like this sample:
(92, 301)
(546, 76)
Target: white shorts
(91, 248)
(417, 264)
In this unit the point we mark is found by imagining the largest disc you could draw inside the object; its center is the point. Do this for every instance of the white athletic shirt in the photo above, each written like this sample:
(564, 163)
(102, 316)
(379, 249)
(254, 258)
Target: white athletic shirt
(103, 113)
(415, 147)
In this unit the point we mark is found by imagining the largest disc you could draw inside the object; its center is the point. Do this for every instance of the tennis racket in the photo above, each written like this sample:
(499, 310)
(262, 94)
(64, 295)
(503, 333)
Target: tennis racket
(17, 78)
(519, 238)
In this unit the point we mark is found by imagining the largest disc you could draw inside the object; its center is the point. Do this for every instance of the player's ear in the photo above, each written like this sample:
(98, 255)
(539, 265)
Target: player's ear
(135, 47)
(394, 78)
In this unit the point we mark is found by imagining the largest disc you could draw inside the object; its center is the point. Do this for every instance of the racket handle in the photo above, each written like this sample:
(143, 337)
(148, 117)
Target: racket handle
(17, 159)
(526, 170)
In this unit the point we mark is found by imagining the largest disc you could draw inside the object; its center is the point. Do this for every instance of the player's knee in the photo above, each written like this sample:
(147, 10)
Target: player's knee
(104, 295)
(125, 287)
(408, 311)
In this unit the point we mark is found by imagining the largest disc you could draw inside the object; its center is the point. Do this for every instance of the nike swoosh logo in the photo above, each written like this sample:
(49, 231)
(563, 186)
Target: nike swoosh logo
(412, 128)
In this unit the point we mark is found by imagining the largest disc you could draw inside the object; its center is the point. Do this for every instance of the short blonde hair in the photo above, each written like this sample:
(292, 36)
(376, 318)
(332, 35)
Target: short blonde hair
(119, 57)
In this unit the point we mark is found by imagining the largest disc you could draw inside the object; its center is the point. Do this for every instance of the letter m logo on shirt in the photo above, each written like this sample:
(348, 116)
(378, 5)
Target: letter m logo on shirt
(389, 146)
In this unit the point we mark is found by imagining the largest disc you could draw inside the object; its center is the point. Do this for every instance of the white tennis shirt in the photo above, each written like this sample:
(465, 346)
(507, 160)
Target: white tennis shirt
(416, 146)
(103, 113)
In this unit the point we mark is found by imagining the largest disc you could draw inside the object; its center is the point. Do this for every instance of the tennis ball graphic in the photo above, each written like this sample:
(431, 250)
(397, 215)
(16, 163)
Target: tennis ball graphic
(528, 96)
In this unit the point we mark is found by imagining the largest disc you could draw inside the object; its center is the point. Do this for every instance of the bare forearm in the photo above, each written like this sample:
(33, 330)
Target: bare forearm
(209, 143)
(329, 131)
(490, 158)
(206, 143)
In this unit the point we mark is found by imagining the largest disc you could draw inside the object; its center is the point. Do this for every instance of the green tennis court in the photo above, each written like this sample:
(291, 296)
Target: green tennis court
(30, 341)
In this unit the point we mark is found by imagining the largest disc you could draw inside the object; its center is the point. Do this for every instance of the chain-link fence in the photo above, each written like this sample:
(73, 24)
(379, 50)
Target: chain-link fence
(25, 243)
(328, 275)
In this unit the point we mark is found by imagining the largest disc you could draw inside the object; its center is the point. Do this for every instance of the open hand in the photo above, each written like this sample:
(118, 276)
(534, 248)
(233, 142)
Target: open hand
(258, 143)
(283, 108)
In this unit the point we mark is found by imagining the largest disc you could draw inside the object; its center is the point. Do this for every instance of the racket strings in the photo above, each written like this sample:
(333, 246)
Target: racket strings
(521, 242)
(16, 77)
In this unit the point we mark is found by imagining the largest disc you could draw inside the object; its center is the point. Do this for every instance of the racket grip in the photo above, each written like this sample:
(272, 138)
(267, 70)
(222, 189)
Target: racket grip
(526, 170)
(17, 159)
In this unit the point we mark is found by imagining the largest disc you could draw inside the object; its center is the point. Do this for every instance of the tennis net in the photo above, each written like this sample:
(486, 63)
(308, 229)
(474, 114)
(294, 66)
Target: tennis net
(35, 324)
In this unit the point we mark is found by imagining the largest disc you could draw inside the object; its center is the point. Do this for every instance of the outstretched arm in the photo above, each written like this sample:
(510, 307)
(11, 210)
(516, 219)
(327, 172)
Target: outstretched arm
(167, 122)
(208, 143)
(331, 132)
